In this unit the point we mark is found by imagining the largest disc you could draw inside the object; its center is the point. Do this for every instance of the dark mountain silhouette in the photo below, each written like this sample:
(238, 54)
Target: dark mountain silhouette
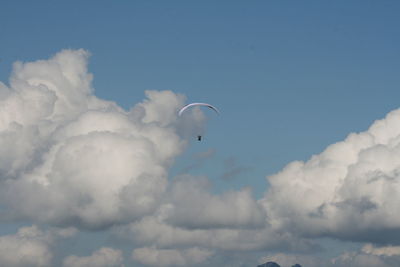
(274, 264)
(269, 264)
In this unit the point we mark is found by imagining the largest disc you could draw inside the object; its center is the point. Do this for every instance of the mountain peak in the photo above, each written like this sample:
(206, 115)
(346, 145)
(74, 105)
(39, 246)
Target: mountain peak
(270, 264)
(274, 264)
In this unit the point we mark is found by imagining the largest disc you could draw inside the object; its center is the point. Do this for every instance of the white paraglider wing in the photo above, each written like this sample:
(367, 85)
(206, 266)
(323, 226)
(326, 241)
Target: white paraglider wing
(182, 110)
(197, 104)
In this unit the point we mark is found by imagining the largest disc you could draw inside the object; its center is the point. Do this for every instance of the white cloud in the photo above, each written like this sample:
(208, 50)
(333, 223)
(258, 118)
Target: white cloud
(155, 231)
(158, 107)
(104, 257)
(170, 257)
(69, 158)
(349, 191)
(381, 251)
(30, 246)
(193, 206)
(368, 256)
(359, 260)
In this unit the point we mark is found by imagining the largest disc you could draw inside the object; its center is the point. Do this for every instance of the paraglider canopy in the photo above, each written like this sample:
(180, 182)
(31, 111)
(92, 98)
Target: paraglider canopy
(197, 104)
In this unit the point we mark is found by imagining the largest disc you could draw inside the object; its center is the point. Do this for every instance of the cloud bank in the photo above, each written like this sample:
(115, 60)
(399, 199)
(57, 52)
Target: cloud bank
(349, 191)
(30, 246)
(104, 257)
(170, 257)
(68, 158)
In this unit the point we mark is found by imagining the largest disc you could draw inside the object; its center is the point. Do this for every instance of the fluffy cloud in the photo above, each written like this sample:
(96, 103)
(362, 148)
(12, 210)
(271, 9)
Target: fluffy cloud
(192, 206)
(191, 217)
(357, 259)
(156, 231)
(30, 246)
(349, 191)
(69, 158)
(170, 257)
(349, 258)
(106, 257)
(381, 251)
(367, 256)
(370, 255)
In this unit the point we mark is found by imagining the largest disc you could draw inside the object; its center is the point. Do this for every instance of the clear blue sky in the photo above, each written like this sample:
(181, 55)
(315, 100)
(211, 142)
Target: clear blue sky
(289, 77)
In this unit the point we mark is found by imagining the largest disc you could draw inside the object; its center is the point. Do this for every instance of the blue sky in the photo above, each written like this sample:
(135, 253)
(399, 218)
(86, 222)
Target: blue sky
(289, 77)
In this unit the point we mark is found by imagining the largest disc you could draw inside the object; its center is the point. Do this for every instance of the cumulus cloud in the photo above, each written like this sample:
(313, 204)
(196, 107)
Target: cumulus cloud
(170, 257)
(357, 259)
(30, 246)
(156, 231)
(192, 217)
(69, 158)
(384, 250)
(367, 256)
(349, 191)
(193, 206)
(104, 257)
(370, 255)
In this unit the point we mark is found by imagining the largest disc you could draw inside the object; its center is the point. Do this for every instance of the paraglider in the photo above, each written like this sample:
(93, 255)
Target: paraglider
(197, 104)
